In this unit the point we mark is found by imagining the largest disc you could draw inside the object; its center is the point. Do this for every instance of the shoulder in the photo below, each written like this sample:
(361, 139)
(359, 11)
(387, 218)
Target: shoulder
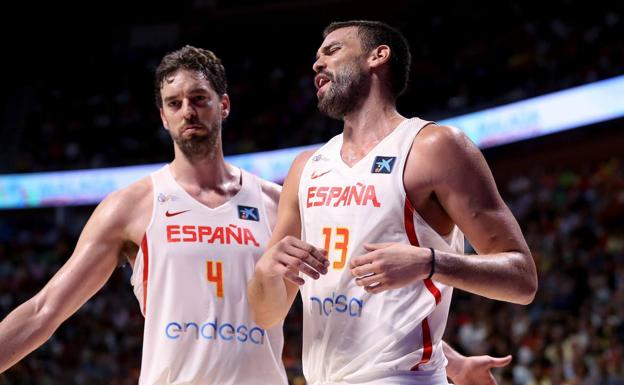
(270, 199)
(270, 191)
(294, 174)
(437, 137)
(290, 190)
(440, 154)
(442, 146)
(128, 196)
(302, 158)
(445, 158)
(123, 205)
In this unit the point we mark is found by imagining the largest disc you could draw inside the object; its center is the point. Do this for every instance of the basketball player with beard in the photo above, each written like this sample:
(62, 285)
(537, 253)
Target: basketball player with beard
(192, 232)
(371, 228)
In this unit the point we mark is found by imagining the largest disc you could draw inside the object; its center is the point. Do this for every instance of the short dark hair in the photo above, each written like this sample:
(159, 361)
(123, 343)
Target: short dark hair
(375, 33)
(192, 59)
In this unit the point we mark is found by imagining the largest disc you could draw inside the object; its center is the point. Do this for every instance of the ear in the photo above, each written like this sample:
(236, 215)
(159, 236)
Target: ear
(163, 119)
(225, 106)
(379, 56)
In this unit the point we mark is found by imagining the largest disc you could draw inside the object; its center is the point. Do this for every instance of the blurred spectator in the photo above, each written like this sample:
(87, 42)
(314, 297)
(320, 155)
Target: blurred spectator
(92, 106)
(95, 107)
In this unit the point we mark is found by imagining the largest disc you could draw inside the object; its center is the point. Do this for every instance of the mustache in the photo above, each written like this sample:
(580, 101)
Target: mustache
(194, 120)
(327, 74)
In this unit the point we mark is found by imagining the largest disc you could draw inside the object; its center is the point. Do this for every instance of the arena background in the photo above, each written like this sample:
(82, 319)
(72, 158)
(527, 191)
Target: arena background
(77, 94)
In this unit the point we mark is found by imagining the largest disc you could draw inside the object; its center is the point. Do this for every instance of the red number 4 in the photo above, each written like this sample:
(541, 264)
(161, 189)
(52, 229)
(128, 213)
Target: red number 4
(214, 273)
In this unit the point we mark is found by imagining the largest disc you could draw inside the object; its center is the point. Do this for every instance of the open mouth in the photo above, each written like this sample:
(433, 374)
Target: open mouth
(321, 81)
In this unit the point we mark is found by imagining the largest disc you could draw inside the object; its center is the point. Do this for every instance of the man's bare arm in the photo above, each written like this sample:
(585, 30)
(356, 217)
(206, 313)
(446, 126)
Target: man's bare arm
(274, 284)
(444, 165)
(463, 183)
(87, 270)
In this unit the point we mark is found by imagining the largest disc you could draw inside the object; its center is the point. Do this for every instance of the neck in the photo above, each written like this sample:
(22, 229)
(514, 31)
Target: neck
(209, 172)
(374, 118)
(370, 123)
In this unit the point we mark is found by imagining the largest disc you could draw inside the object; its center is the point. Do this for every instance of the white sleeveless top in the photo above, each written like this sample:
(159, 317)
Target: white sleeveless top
(349, 335)
(190, 277)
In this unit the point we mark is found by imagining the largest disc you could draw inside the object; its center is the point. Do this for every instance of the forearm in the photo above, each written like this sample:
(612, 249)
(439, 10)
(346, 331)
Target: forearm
(268, 299)
(508, 276)
(22, 331)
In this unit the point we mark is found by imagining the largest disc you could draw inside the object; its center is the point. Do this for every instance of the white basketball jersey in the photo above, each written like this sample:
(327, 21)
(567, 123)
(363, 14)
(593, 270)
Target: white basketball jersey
(190, 277)
(349, 335)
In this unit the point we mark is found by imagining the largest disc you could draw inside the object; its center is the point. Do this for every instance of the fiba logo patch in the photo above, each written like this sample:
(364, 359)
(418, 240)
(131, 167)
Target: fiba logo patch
(383, 164)
(163, 198)
(319, 157)
(248, 213)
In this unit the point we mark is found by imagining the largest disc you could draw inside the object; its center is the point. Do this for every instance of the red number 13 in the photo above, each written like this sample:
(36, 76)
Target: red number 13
(341, 244)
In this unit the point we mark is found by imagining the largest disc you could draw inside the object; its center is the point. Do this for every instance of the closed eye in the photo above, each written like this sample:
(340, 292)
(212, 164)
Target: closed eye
(333, 49)
(329, 49)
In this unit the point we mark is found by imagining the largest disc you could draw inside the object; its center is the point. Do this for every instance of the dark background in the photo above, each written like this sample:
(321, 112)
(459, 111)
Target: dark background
(77, 93)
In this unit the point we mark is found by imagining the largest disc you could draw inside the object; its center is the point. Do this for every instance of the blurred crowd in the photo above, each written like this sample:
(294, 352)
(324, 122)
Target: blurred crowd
(94, 107)
(572, 334)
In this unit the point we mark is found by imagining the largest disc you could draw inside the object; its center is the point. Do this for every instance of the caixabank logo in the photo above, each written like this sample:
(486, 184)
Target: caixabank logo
(383, 164)
(248, 213)
(215, 331)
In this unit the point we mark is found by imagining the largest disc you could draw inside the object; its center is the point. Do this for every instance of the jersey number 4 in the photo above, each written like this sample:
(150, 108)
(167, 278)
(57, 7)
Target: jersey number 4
(341, 244)
(214, 273)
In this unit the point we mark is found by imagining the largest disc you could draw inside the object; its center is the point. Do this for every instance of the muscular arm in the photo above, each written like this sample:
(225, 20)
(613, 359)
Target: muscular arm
(448, 181)
(274, 284)
(463, 184)
(87, 270)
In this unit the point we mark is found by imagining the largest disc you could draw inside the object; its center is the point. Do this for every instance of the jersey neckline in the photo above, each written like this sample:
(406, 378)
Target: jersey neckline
(196, 202)
(356, 165)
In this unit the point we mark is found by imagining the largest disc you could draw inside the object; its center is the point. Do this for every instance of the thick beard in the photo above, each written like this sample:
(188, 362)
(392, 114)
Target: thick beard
(198, 146)
(346, 91)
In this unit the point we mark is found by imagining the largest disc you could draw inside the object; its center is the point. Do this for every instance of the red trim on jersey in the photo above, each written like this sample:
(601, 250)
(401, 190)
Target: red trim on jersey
(410, 230)
(433, 290)
(145, 271)
(413, 238)
(427, 346)
(409, 223)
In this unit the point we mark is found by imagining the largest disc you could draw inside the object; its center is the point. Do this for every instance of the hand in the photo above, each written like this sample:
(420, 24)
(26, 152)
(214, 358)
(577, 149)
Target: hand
(290, 256)
(390, 265)
(476, 370)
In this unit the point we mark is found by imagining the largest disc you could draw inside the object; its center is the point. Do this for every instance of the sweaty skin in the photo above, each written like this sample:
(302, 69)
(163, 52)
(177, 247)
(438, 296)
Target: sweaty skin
(446, 180)
(116, 227)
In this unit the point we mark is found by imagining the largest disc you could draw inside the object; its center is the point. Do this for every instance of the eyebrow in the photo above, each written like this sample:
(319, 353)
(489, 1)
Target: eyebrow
(327, 48)
(194, 91)
(170, 98)
(199, 90)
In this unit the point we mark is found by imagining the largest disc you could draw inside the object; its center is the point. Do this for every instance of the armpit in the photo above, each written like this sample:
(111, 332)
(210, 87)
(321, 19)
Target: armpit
(127, 254)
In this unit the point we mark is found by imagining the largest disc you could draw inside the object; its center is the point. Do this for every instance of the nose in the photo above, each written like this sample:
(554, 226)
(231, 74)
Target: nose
(188, 109)
(319, 64)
